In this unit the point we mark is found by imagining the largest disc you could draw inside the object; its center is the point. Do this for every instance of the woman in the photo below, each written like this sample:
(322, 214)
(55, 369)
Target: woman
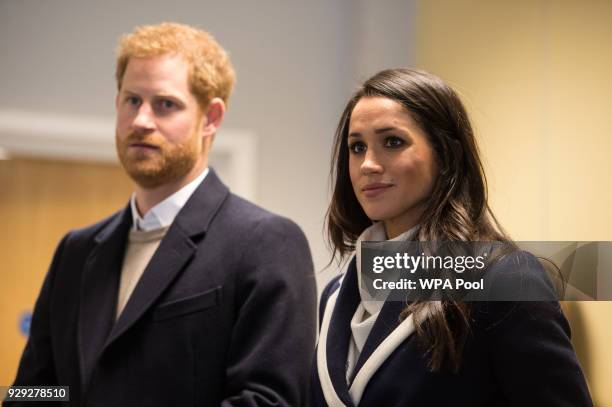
(406, 167)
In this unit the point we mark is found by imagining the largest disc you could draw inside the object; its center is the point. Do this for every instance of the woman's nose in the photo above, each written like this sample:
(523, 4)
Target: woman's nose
(371, 163)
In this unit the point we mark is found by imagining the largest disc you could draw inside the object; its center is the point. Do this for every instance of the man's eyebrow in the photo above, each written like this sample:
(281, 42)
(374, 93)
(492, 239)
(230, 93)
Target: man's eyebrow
(129, 92)
(167, 95)
(157, 95)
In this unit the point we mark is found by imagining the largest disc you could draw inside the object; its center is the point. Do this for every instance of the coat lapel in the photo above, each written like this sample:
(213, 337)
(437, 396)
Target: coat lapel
(97, 329)
(174, 252)
(387, 334)
(387, 321)
(336, 332)
(99, 288)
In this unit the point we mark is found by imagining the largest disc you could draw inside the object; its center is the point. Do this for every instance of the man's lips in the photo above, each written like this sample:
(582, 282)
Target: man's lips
(375, 189)
(143, 146)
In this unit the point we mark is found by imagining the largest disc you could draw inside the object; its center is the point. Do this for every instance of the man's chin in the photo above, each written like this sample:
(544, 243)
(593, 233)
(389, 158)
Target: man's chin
(147, 181)
(149, 174)
(148, 177)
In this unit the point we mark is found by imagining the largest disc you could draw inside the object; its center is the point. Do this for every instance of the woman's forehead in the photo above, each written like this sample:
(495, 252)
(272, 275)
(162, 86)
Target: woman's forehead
(378, 113)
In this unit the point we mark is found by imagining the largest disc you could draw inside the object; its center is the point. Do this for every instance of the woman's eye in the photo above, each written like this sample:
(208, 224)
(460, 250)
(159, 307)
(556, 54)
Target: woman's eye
(393, 142)
(357, 147)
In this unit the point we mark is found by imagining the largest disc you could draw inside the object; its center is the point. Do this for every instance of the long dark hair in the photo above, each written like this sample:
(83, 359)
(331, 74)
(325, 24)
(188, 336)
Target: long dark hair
(457, 209)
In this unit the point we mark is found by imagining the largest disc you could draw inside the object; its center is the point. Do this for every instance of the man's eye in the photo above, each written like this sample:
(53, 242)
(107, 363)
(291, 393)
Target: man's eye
(133, 100)
(393, 142)
(166, 104)
(357, 147)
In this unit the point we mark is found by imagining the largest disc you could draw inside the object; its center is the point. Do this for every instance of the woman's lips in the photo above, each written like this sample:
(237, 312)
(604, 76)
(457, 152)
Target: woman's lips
(374, 190)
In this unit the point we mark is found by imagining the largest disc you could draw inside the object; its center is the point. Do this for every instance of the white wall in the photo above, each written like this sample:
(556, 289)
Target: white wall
(296, 62)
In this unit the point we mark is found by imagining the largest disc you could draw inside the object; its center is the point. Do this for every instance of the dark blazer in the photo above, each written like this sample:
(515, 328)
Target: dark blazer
(224, 313)
(518, 354)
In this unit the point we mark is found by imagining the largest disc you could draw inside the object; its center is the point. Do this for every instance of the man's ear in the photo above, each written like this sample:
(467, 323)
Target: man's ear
(214, 116)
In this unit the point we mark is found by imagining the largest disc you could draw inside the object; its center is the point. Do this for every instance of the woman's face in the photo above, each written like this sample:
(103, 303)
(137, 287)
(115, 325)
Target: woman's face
(391, 163)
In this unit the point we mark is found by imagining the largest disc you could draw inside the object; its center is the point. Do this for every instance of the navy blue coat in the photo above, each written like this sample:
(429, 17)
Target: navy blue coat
(224, 314)
(518, 354)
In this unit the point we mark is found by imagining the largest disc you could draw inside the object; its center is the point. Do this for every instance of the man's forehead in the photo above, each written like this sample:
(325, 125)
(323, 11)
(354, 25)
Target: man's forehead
(169, 72)
(158, 64)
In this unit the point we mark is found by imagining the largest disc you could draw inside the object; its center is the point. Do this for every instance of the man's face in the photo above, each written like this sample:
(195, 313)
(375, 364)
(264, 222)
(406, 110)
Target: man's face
(159, 130)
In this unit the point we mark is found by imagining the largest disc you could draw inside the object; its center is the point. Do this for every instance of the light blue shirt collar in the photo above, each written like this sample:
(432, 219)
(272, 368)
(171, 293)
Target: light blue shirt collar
(163, 214)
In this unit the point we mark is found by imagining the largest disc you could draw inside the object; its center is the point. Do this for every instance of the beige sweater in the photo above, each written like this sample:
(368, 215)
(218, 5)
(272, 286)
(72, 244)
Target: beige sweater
(140, 249)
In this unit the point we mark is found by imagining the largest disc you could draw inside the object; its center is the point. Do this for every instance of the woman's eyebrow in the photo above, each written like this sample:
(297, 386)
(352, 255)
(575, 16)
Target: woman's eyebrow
(376, 131)
(384, 129)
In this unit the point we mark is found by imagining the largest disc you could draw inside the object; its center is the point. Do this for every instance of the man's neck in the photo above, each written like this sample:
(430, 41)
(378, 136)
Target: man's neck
(147, 198)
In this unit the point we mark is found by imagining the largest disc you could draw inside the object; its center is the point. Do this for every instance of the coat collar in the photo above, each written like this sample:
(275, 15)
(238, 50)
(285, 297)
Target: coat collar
(387, 334)
(163, 213)
(100, 282)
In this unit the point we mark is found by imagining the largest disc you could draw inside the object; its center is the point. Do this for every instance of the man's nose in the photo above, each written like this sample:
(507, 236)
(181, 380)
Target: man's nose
(145, 118)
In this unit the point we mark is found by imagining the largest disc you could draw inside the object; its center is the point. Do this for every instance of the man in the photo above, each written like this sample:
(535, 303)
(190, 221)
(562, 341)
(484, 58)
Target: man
(189, 295)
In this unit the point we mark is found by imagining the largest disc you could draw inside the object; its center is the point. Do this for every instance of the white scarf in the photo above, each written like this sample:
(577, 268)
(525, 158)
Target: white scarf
(381, 353)
(367, 311)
